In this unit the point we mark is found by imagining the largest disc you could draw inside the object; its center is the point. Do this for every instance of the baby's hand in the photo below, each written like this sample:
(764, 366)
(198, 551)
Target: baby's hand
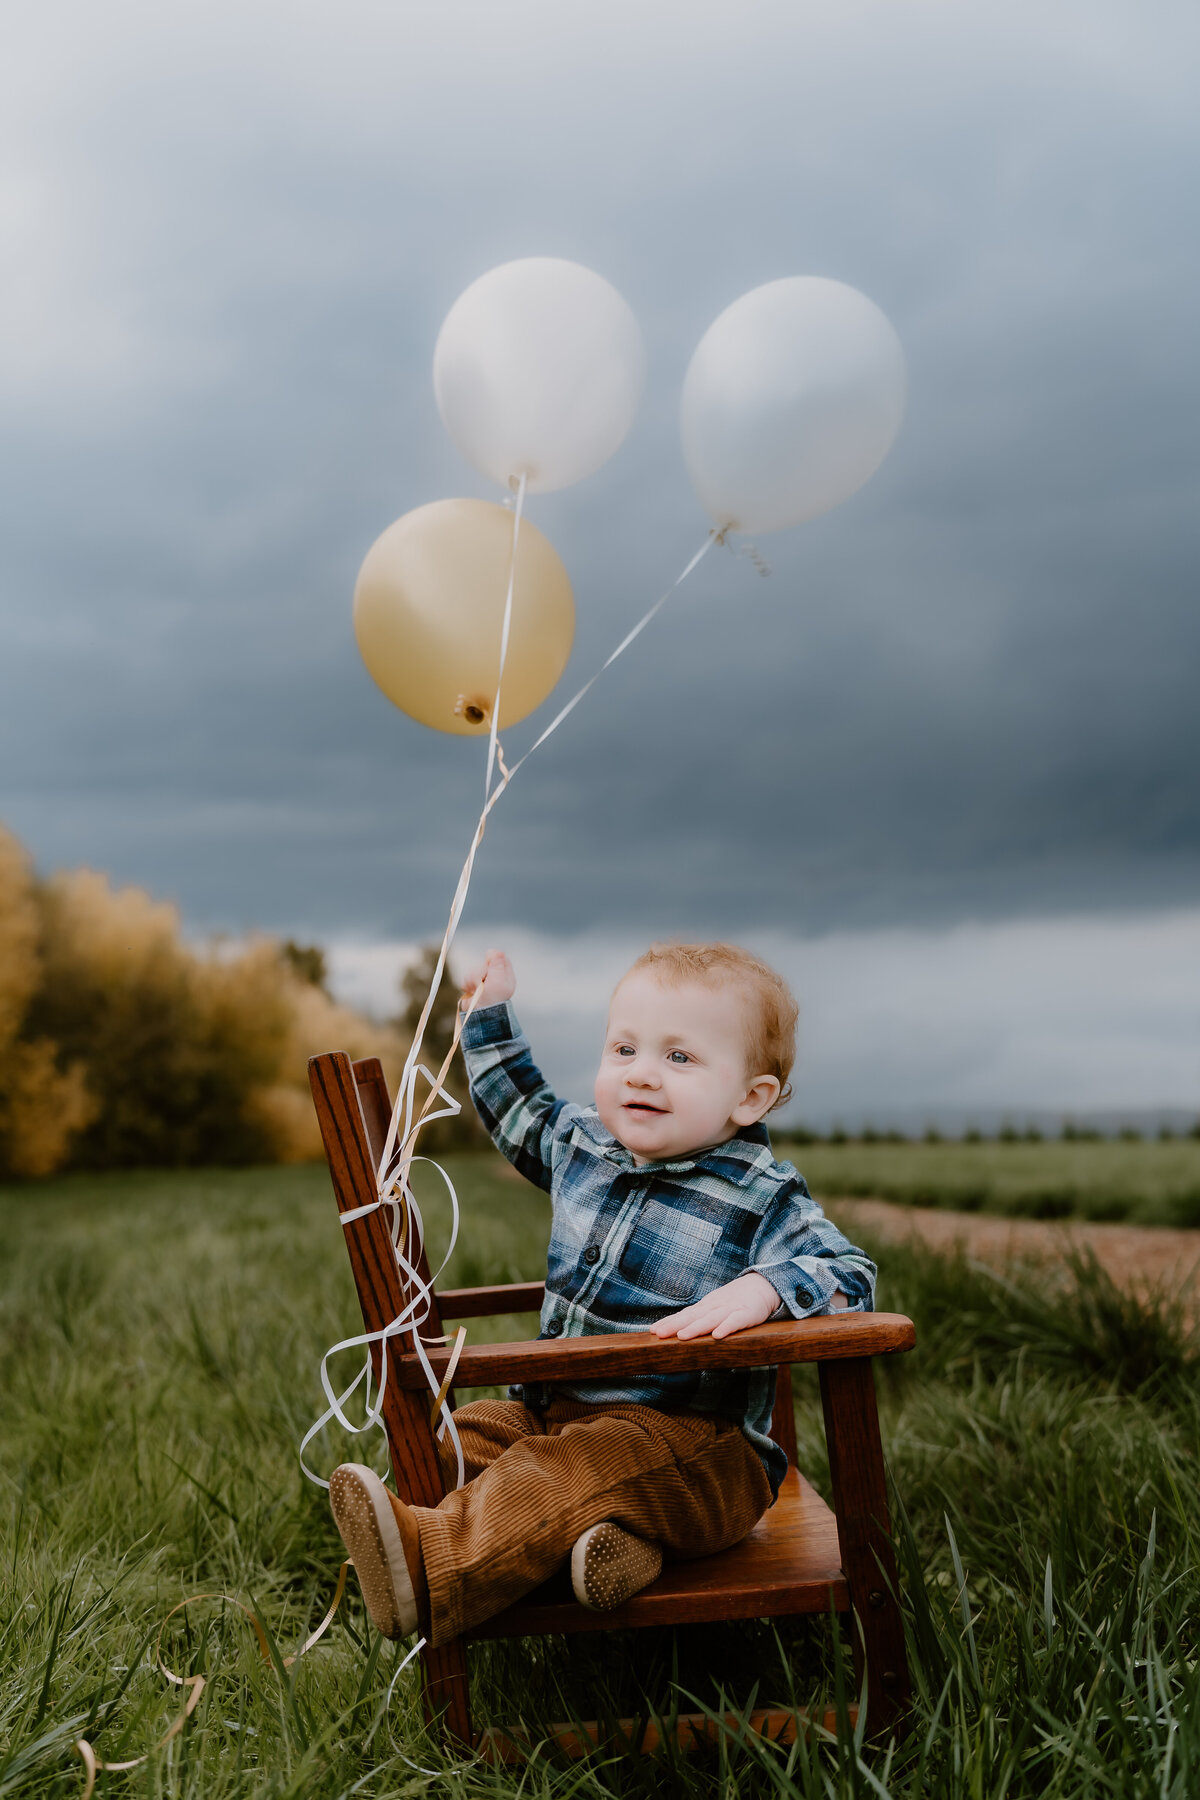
(750, 1300)
(491, 982)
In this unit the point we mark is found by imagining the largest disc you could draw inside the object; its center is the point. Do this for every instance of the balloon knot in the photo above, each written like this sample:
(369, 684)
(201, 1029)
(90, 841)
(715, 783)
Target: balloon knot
(474, 711)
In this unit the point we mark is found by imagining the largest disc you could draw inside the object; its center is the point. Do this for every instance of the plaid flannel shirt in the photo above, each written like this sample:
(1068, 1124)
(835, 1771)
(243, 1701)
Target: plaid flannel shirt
(630, 1244)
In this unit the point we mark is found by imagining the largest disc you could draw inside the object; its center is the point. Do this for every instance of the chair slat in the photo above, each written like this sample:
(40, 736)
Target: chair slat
(376, 1105)
(488, 1302)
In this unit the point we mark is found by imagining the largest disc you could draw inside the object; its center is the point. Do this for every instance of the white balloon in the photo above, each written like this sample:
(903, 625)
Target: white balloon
(538, 371)
(792, 400)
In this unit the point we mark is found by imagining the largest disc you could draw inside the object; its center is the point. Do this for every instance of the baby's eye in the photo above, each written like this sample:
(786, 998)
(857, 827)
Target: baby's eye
(679, 1056)
(625, 1050)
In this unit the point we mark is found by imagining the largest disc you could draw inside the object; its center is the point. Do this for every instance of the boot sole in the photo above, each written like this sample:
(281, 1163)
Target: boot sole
(363, 1514)
(610, 1565)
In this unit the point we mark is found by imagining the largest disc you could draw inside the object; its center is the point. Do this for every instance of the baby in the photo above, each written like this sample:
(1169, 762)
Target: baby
(669, 1214)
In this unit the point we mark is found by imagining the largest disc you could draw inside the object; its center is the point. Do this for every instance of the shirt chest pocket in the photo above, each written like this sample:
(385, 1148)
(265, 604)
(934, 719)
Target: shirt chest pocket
(670, 1253)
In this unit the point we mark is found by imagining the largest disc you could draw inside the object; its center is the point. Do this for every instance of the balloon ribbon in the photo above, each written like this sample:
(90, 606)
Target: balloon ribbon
(395, 1164)
(197, 1683)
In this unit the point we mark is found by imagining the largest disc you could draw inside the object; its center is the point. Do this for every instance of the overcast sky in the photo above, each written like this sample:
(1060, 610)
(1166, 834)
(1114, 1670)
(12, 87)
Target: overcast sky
(965, 702)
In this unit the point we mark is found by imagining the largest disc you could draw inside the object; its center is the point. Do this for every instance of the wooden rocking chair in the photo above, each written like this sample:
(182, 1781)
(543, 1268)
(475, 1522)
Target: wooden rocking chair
(800, 1558)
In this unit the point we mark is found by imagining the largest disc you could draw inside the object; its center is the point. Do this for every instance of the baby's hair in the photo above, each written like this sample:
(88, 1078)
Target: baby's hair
(770, 1015)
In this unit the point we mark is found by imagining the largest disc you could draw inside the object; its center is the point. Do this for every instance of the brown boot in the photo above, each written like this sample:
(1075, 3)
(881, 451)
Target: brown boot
(383, 1543)
(609, 1565)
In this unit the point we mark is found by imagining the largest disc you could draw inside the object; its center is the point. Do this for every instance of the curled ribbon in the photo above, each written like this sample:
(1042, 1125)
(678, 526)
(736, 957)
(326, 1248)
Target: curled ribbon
(196, 1684)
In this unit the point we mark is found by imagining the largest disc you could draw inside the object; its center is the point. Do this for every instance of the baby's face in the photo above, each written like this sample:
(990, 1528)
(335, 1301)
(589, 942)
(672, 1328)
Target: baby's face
(674, 1070)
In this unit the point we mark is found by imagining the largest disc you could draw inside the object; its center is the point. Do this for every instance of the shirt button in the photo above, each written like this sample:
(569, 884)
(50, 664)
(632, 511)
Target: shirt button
(554, 1328)
(803, 1297)
(591, 1254)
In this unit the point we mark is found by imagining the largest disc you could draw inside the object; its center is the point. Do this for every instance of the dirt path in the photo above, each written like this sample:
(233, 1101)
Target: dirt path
(1145, 1257)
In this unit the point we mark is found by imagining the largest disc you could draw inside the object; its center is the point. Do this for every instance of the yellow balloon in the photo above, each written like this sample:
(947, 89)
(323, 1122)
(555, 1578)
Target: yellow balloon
(429, 607)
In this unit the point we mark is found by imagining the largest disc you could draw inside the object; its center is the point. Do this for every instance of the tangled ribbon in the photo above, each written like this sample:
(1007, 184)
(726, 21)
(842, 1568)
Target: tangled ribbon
(196, 1684)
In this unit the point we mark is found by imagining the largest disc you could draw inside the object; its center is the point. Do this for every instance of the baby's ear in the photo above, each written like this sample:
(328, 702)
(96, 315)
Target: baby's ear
(761, 1096)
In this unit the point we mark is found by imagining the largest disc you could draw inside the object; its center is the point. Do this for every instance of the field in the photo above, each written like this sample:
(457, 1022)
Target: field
(1147, 1183)
(159, 1337)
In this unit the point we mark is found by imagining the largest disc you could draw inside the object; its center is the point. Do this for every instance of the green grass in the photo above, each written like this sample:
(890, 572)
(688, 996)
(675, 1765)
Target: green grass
(1148, 1183)
(159, 1337)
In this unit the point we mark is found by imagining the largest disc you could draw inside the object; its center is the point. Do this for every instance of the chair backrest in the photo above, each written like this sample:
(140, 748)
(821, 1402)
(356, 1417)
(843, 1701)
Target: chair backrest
(348, 1149)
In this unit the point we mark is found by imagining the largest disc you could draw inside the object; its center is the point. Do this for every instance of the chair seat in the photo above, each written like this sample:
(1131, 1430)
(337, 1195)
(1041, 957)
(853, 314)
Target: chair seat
(789, 1563)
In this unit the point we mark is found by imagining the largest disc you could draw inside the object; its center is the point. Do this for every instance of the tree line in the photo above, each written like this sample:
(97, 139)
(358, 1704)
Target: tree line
(123, 1045)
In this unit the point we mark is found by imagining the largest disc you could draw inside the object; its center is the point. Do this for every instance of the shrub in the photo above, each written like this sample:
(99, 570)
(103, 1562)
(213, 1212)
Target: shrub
(120, 1045)
(42, 1104)
(173, 1045)
(1070, 1318)
(1109, 1209)
(18, 937)
(307, 961)
(316, 1023)
(1184, 1209)
(1039, 1203)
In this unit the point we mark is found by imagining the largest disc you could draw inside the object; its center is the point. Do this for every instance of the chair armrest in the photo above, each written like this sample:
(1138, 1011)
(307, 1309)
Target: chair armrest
(481, 1302)
(632, 1353)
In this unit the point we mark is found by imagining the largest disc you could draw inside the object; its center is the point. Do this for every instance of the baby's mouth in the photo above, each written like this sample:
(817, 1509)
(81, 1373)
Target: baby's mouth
(643, 1106)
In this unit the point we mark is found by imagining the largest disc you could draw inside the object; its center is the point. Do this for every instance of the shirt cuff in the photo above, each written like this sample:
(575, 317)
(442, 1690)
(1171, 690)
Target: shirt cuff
(490, 1025)
(806, 1285)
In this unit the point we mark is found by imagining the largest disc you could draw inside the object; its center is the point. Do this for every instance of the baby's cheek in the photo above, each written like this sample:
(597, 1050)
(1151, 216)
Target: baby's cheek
(604, 1096)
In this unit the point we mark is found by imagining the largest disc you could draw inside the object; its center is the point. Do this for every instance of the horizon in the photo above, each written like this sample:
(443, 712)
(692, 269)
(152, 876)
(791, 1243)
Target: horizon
(942, 759)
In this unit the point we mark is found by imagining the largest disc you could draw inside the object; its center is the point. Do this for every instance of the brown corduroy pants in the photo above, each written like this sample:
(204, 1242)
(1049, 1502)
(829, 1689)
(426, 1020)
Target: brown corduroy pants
(536, 1481)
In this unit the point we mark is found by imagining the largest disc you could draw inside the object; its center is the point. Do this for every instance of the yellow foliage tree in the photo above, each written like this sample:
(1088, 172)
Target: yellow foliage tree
(42, 1105)
(315, 1023)
(18, 937)
(122, 1045)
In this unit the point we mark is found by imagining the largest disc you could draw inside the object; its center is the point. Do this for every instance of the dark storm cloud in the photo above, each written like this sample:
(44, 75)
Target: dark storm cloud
(970, 690)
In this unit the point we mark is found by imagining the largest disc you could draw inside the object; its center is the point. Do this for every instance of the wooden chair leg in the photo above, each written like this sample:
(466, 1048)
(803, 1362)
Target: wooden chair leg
(864, 1536)
(783, 1418)
(445, 1693)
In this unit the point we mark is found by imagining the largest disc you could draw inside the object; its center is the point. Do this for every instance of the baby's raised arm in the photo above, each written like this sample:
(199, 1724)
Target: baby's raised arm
(518, 1108)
